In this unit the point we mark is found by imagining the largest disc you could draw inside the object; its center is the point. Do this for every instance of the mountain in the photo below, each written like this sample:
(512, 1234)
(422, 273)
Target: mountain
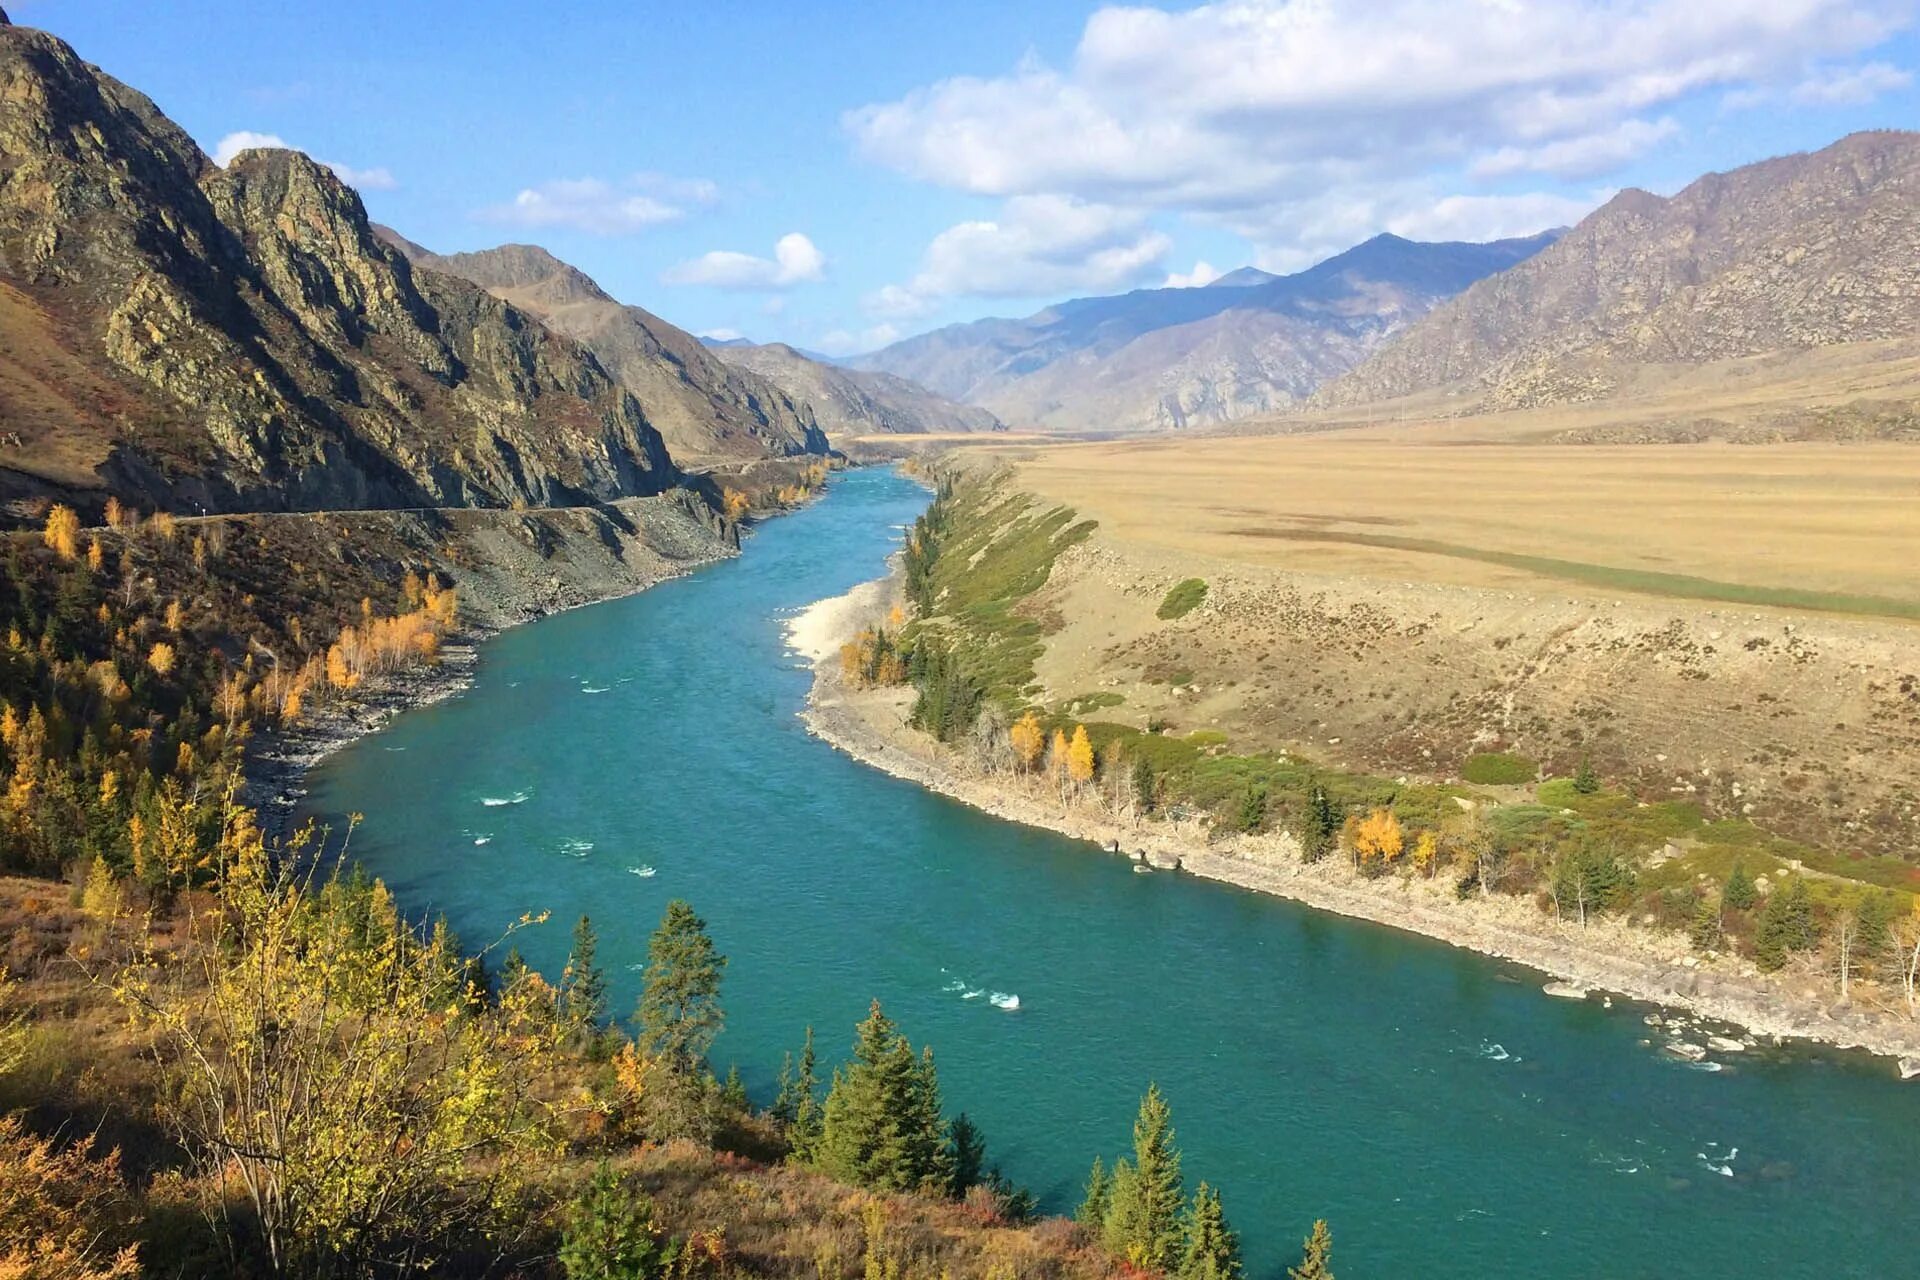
(708, 410)
(849, 402)
(1801, 251)
(191, 336)
(1158, 358)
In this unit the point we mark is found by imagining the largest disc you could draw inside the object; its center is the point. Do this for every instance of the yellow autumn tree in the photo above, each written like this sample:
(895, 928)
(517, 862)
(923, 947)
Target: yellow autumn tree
(737, 504)
(1080, 756)
(116, 513)
(162, 658)
(1029, 739)
(163, 525)
(1378, 838)
(96, 556)
(1057, 755)
(62, 531)
(1426, 850)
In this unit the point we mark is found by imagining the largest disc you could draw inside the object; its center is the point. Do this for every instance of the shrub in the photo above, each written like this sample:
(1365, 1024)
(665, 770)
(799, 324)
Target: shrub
(1183, 599)
(1499, 769)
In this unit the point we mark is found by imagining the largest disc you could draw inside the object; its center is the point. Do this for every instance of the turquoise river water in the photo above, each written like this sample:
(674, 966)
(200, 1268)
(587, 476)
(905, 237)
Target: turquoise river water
(1445, 1116)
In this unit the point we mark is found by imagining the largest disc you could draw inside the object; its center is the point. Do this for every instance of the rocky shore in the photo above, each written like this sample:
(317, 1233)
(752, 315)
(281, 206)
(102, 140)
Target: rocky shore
(1610, 956)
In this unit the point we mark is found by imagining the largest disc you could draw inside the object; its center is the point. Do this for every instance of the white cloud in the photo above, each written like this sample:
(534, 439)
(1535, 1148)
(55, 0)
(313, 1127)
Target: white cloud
(1203, 273)
(379, 178)
(795, 260)
(1264, 114)
(720, 335)
(1580, 157)
(897, 302)
(604, 208)
(244, 140)
(1038, 245)
(1850, 86)
(1494, 217)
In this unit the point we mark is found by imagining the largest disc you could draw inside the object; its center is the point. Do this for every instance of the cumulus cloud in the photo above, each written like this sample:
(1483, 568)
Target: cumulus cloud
(1039, 244)
(720, 335)
(846, 342)
(1203, 273)
(1244, 111)
(603, 208)
(378, 178)
(795, 260)
(1494, 217)
(1850, 86)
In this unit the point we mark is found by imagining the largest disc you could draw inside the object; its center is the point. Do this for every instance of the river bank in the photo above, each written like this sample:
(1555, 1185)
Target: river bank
(1609, 956)
(507, 568)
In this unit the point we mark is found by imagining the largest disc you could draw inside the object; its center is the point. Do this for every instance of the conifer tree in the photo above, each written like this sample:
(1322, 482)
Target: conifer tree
(1585, 780)
(1705, 932)
(1322, 822)
(881, 1127)
(1144, 1219)
(1211, 1250)
(679, 1013)
(1739, 893)
(583, 991)
(1786, 925)
(966, 1156)
(1253, 807)
(1143, 783)
(1316, 1259)
(1092, 1213)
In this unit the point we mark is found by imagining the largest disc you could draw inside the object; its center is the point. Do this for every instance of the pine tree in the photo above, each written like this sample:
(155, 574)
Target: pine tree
(1148, 1198)
(1585, 780)
(1092, 1213)
(610, 1233)
(1143, 783)
(1322, 822)
(1211, 1250)
(1705, 933)
(1739, 893)
(966, 1156)
(679, 1013)
(583, 991)
(881, 1126)
(1786, 925)
(733, 1092)
(1316, 1259)
(1253, 807)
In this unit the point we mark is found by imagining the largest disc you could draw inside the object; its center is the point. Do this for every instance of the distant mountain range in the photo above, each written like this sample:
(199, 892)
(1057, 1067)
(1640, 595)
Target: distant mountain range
(1250, 342)
(1801, 251)
(850, 402)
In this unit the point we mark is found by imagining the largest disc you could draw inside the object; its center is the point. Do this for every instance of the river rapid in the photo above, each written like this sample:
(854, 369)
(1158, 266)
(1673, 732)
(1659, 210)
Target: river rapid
(1445, 1117)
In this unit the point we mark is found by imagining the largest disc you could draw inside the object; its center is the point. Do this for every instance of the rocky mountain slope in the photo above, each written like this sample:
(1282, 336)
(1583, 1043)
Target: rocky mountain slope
(1797, 252)
(852, 402)
(708, 410)
(205, 338)
(1157, 358)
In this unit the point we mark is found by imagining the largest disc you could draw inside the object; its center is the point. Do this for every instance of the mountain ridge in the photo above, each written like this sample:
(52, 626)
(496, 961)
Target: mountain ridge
(852, 402)
(1178, 357)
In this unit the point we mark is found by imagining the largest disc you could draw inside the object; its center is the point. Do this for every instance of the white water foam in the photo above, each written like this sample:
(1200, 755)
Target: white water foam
(482, 839)
(1494, 1052)
(594, 688)
(495, 802)
(1004, 1000)
(576, 848)
(644, 872)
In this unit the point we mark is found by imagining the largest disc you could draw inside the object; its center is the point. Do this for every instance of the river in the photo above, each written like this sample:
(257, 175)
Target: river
(1445, 1116)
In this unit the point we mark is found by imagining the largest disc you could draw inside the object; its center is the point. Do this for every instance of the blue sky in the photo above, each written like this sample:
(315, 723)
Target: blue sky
(839, 174)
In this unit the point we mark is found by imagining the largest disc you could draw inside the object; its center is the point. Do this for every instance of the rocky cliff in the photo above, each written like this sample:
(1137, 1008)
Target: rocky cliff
(1796, 252)
(708, 411)
(852, 402)
(196, 337)
(1153, 359)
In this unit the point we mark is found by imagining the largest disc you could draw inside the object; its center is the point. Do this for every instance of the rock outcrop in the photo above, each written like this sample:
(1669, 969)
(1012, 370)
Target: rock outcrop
(708, 411)
(194, 337)
(1801, 251)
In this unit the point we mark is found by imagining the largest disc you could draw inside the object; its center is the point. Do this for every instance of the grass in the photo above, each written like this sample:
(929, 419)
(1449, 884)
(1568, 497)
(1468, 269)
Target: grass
(1499, 769)
(1183, 599)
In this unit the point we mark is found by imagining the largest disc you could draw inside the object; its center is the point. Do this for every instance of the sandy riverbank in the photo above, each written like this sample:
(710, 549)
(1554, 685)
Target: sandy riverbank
(1609, 956)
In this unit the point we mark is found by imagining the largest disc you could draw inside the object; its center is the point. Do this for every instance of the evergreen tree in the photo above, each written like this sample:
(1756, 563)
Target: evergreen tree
(1211, 1250)
(1705, 932)
(1874, 925)
(610, 1233)
(1148, 1198)
(1316, 1259)
(733, 1092)
(966, 1156)
(1585, 780)
(1092, 1213)
(798, 1103)
(1739, 893)
(1143, 783)
(881, 1128)
(1786, 925)
(1321, 826)
(1253, 808)
(679, 1013)
(583, 991)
